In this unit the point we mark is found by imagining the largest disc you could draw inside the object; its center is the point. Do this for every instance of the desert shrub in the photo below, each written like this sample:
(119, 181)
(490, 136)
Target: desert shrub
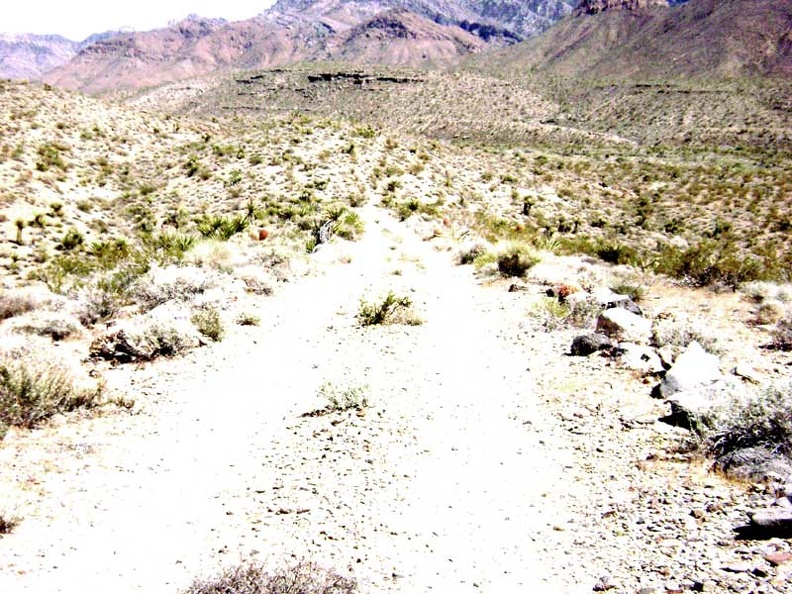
(223, 228)
(349, 225)
(8, 523)
(680, 331)
(764, 421)
(390, 310)
(15, 304)
(171, 283)
(49, 156)
(109, 253)
(782, 335)
(761, 291)
(71, 240)
(635, 291)
(340, 399)
(35, 386)
(165, 331)
(207, 320)
(709, 262)
(254, 283)
(64, 272)
(554, 314)
(251, 578)
(55, 325)
(171, 247)
(516, 261)
(469, 254)
(248, 319)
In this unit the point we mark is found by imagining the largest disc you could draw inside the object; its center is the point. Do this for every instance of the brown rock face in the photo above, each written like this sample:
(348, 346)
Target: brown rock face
(597, 6)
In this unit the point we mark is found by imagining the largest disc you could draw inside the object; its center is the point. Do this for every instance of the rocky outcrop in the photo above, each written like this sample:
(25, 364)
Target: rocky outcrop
(597, 6)
(622, 324)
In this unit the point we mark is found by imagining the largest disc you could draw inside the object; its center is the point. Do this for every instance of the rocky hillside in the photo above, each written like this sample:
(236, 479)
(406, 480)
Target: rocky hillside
(403, 32)
(648, 39)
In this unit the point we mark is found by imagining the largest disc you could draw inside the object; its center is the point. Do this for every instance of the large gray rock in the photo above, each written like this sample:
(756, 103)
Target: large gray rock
(694, 368)
(624, 325)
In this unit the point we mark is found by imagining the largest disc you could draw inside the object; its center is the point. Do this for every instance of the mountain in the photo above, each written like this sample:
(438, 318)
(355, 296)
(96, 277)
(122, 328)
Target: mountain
(651, 39)
(27, 56)
(396, 32)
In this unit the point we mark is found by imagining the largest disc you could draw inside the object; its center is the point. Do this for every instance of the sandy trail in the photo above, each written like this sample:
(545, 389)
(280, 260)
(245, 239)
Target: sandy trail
(452, 481)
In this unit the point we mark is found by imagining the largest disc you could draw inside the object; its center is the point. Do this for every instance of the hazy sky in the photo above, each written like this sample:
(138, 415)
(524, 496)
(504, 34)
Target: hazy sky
(77, 19)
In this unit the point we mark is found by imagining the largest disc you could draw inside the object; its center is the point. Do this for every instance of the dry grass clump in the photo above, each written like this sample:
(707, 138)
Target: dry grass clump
(35, 385)
(251, 578)
(55, 325)
(173, 283)
(206, 319)
(679, 331)
(782, 335)
(12, 304)
(164, 331)
(468, 254)
(554, 314)
(749, 436)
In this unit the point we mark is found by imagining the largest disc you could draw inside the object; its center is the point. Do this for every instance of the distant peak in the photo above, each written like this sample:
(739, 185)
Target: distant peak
(597, 6)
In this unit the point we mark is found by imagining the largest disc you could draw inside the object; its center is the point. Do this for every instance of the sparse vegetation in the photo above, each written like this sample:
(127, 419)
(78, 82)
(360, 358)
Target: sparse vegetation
(252, 578)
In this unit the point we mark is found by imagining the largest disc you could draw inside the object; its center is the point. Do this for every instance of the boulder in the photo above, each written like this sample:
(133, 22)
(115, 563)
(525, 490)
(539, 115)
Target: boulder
(626, 303)
(694, 368)
(586, 344)
(624, 325)
(640, 358)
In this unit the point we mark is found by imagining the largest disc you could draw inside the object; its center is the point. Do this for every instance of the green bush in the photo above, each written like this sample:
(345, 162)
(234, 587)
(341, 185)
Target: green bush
(516, 261)
(207, 320)
(390, 310)
(71, 240)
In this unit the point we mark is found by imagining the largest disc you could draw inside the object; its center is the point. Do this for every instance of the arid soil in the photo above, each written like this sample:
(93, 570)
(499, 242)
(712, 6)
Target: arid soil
(487, 459)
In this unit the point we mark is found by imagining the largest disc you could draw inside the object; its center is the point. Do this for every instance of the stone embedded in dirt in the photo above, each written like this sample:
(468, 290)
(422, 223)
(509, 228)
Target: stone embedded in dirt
(263, 234)
(604, 583)
(515, 288)
(639, 358)
(586, 344)
(738, 567)
(747, 373)
(624, 325)
(776, 559)
(694, 368)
